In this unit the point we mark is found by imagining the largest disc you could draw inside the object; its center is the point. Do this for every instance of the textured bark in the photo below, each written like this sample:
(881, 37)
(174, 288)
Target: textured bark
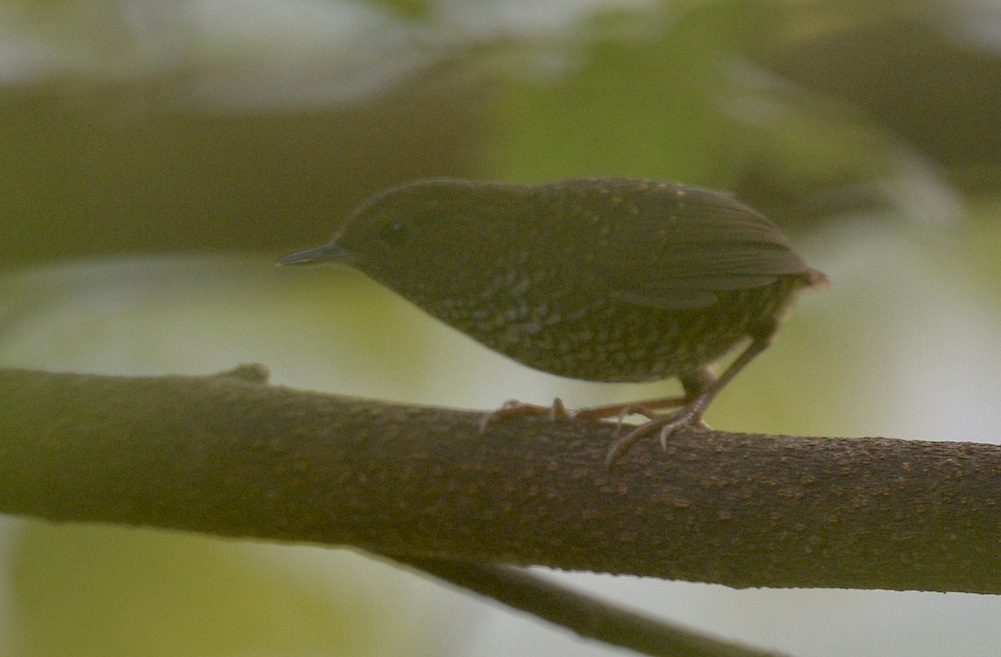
(233, 456)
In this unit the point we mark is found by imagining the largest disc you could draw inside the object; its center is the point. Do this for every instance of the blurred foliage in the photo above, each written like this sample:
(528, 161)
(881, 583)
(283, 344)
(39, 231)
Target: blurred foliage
(99, 172)
(925, 84)
(648, 107)
(164, 154)
(122, 592)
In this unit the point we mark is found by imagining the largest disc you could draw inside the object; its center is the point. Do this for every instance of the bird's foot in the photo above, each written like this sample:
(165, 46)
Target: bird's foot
(558, 410)
(663, 425)
(514, 408)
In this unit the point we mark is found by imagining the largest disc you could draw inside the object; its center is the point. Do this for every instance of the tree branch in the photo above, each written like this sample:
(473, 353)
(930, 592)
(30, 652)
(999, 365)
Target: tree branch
(584, 614)
(233, 456)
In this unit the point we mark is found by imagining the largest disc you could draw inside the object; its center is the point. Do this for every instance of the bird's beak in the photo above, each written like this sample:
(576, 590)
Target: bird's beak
(332, 252)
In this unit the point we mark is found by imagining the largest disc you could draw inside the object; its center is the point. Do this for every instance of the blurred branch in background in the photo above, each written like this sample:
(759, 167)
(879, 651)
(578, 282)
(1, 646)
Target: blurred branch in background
(586, 615)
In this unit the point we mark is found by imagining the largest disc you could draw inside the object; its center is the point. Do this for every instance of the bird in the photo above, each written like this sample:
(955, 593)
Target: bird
(610, 279)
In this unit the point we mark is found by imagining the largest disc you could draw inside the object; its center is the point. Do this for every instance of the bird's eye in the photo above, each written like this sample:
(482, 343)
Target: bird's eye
(394, 234)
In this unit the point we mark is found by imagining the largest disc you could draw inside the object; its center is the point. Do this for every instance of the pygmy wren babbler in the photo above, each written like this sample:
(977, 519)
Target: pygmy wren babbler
(602, 279)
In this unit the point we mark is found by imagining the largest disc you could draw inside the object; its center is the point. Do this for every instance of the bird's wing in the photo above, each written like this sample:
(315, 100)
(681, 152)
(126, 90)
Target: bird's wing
(702, 242)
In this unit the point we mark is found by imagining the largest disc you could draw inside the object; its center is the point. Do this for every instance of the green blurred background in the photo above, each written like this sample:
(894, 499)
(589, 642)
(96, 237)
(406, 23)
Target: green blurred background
(158, 156)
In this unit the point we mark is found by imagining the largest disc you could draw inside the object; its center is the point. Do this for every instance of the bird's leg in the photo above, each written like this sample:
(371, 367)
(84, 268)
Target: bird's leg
(700, 392)
(701, 388)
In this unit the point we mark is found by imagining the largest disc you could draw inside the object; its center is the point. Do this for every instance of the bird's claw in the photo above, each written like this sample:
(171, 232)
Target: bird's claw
(513, 407)
(664, 425)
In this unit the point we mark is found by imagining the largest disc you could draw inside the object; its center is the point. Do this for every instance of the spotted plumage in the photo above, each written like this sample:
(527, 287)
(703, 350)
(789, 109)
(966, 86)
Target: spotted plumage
(603, 279)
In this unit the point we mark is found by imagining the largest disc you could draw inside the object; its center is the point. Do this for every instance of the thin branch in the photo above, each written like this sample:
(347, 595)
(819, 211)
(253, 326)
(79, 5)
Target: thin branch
(237, 457)
(577, 611)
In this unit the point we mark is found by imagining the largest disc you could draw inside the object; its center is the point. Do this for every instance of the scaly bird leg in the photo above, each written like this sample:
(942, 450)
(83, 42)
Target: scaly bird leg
(691, 414)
